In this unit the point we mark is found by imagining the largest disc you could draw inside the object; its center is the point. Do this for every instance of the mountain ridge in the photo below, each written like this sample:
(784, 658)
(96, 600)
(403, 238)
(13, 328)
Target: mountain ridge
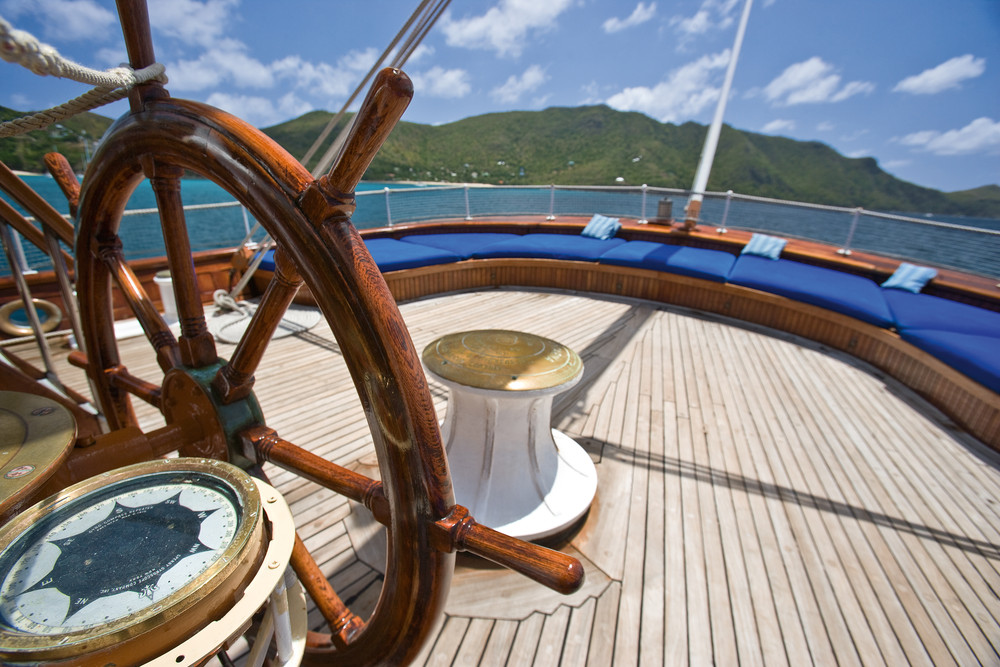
(586, 145)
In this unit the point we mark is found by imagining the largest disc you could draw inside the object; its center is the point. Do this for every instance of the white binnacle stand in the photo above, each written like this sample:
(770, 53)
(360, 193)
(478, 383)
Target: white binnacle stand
(512, 471)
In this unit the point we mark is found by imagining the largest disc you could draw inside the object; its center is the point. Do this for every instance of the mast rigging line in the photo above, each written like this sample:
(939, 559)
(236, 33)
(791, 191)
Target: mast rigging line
(693, 207)
(425, 16)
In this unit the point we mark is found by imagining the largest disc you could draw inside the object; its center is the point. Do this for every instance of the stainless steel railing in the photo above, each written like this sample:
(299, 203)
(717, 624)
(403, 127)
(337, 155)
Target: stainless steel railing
(967, 245)
(972, 247)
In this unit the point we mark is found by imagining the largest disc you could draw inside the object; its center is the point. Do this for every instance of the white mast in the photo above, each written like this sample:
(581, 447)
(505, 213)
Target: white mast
(712, 140)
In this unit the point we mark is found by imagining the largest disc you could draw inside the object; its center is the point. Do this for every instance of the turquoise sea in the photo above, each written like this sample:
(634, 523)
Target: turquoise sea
(227, 226)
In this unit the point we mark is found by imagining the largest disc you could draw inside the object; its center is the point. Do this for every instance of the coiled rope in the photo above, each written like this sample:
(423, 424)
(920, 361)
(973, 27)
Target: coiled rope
(21, 48)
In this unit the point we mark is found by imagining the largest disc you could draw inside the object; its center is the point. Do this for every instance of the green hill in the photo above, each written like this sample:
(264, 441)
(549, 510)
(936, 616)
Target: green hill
(75, 138)
(982, 202)
(592, 145)
(596, 145)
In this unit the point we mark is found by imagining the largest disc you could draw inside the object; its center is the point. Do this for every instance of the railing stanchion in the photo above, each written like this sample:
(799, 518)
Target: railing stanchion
(388, 210)
(725, 213)
(468, 213)
(552, 202)
(9, 241)
(246, 219)
(18, 252)
(642, 218)
(846, 250)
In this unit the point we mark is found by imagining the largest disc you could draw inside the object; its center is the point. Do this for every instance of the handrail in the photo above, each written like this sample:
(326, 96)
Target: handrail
(953, 245)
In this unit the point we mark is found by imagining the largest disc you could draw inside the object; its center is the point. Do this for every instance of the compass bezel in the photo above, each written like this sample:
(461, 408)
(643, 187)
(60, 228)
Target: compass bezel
(178, 615)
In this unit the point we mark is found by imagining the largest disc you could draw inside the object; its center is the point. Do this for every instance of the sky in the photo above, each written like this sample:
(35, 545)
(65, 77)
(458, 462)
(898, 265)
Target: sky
(914, 84)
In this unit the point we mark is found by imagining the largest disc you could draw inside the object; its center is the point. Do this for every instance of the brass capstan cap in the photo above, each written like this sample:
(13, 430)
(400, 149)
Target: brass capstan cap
(502, 360)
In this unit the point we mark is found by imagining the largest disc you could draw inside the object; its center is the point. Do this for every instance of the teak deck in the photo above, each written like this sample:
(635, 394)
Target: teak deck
(761, 499)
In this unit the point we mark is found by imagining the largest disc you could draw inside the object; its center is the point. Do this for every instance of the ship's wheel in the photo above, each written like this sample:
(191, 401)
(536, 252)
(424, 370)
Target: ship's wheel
(208, 403)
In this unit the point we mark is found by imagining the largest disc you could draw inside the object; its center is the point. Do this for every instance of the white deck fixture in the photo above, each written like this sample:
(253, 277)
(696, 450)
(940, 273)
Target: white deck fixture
(512, 471)
(712, 139)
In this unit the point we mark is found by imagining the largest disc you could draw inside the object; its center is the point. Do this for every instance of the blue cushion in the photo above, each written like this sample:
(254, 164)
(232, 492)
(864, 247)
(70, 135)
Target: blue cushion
(764, 246)
(267, 264)
(695, 262)
(460, 243)
(923, 311)
(701, 263)
(550, 246)
(910, 277)
(974, 355)
(394, 255)
(840, 292)
(601, 227)
(636, 254)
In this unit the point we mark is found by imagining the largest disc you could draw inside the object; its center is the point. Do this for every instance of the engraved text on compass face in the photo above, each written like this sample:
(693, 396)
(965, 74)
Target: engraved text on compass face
(116, 557)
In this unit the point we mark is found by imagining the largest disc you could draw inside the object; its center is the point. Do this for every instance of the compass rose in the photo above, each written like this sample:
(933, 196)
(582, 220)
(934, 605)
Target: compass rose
(127, 551)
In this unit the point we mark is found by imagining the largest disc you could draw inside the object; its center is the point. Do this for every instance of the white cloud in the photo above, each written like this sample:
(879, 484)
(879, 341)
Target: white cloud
(421, 52)
(948, 74)
(711, 15)
(20, 101)
(260, 111)
(110, 56)
(684, 93)
(853, 88)
(855, 135)
(778, 125)
(825, 126)
(505, 27)
(980, 136)
(895, 164)
(810, 82)
(66, 19)
(324, 79)
(861, 152)
(641, 14)
(227, 61)
(190, 21)
(516, 86)
(440, 82)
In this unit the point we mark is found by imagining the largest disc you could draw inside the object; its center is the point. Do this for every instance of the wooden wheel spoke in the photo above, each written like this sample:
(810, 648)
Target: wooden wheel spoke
(344, 625)
(284, 454)
(197, 346)
(235, 380)
(120, 378)
(456, 532)
(157, 331)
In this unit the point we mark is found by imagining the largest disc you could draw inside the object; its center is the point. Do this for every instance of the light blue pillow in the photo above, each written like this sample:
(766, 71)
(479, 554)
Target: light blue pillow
(765, 246)
(910, 277)
(601, 227)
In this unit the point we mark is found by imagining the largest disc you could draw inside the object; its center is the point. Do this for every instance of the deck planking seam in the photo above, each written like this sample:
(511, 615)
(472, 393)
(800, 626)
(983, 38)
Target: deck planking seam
(816, 472)
(721, 430)
(779, 628)
(757, 461)
(876, 486)
(870, 551)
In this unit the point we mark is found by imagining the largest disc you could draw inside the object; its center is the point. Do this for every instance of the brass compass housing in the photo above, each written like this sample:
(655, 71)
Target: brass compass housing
(121, 567)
